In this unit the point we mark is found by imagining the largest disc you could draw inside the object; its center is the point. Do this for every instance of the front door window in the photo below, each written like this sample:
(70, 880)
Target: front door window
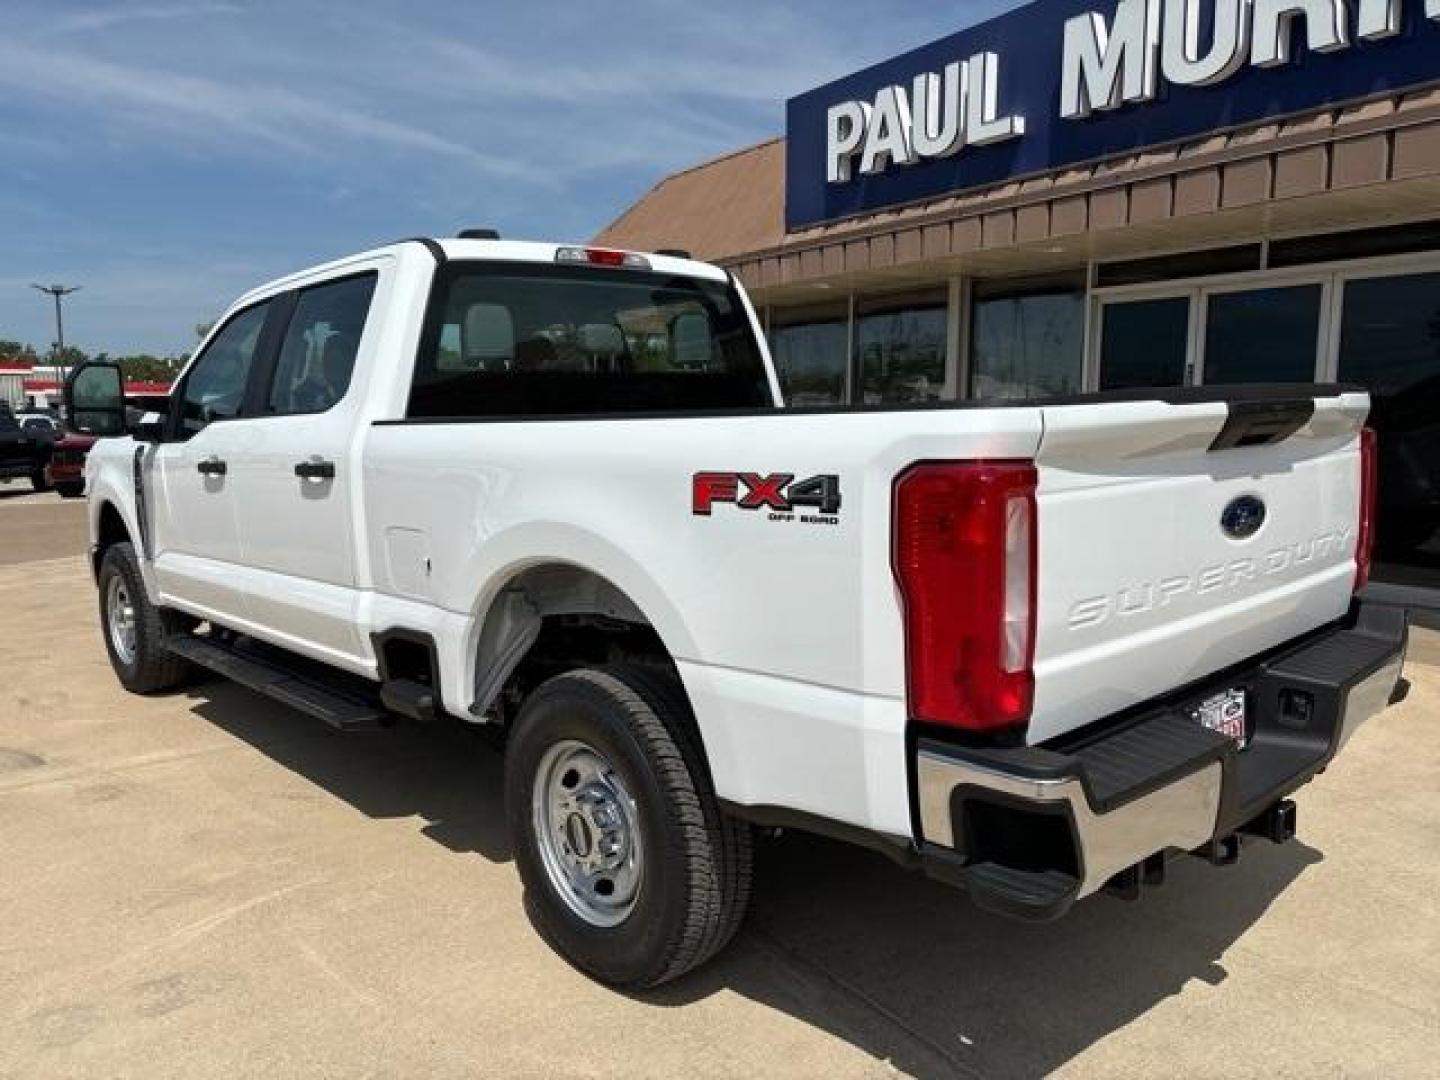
(215, 385)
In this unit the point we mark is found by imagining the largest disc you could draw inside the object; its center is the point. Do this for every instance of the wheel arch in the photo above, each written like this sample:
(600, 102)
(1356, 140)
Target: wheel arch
(534, 592)
(109, 528)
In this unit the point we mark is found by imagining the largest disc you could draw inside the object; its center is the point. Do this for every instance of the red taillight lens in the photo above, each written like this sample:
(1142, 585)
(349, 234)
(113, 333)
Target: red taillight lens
(964, 561)
(1365, 540)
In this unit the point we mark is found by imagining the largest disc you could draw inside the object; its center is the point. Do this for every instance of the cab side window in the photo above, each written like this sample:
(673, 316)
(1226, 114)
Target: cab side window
(317, 357)
(215, 387)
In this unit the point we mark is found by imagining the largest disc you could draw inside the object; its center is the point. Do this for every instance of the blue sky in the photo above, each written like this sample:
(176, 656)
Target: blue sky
(169, 155)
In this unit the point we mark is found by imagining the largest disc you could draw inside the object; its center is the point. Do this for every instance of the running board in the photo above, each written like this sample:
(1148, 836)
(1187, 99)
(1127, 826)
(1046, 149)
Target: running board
(286, 680)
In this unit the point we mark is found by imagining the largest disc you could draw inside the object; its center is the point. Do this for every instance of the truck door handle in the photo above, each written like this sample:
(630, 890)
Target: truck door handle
(212, 466)
(315, 469)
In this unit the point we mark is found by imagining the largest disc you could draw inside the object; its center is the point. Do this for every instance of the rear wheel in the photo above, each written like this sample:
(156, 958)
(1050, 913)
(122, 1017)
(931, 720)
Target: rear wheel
(70, 490)
(135, 629)
(632, 871)
(39, 480)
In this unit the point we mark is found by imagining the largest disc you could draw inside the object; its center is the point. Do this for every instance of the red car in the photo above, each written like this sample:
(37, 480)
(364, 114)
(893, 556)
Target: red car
(67, 464)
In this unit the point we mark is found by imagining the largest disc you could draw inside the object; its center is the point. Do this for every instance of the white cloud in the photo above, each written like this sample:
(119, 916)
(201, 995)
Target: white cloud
(105, 18)
(168, 154)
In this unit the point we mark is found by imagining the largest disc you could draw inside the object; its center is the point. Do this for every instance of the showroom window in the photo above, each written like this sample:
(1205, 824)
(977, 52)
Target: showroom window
(1027, 342)
(810, 347)
(1145, 343)
(1263, 335)
(900, 349)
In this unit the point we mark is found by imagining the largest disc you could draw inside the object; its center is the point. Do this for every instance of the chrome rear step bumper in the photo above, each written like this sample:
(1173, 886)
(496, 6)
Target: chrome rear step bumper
(1030, 830)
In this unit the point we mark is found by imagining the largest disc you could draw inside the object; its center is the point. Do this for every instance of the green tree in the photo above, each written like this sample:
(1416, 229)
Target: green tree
(16, 350)
(144, 367)
(71, 356)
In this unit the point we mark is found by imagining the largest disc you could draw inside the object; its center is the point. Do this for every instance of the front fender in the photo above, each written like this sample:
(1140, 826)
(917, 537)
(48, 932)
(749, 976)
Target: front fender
(109, 482)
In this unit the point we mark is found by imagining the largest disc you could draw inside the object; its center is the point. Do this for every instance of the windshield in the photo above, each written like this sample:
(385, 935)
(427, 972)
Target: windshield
(508, 339)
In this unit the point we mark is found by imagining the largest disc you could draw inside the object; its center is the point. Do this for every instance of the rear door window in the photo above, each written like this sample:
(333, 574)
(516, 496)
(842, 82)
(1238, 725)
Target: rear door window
(508, 339)
(317, 357)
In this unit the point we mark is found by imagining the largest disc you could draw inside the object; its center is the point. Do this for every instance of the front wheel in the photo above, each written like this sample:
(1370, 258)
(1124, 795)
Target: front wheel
(135, 629)
(40, 480)
(633, 872)
(71, 490)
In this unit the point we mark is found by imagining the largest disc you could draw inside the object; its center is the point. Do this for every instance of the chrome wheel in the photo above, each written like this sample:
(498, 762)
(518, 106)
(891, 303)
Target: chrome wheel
(587, 826)
(120, 617)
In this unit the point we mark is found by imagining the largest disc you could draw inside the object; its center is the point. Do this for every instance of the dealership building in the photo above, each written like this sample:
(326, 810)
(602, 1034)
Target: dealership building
(1087, 195)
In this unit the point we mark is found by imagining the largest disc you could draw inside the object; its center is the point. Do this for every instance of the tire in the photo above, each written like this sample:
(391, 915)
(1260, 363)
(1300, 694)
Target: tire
(693, 882)
(39, 481)
(71, 491)
(142, 663)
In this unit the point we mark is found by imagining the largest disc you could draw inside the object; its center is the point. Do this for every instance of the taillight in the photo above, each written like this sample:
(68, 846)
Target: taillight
(602, 257)
(1365, 540)
(964, 561)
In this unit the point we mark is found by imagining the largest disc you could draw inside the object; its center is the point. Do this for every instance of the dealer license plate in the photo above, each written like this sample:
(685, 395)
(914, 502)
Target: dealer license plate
(1223, 713)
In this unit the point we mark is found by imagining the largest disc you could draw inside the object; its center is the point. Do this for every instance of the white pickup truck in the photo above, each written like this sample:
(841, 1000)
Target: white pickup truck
(1033, 649)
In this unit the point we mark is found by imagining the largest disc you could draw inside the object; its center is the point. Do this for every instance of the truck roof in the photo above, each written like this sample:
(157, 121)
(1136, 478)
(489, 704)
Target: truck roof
(492, 250)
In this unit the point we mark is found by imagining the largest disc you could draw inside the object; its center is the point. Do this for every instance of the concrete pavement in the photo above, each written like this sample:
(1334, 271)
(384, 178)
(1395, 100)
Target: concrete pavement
(205, 884)
(39, 526)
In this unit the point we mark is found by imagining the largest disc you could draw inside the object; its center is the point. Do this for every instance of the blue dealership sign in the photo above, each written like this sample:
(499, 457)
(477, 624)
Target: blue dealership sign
(1061, 82)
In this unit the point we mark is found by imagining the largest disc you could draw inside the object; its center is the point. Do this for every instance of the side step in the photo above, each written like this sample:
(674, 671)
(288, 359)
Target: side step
(290, 680)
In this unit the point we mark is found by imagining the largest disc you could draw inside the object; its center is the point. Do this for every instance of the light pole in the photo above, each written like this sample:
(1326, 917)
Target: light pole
(59, 292)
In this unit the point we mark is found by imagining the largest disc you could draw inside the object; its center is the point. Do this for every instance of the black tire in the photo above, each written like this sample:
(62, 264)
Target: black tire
(39, 481)
(695, 883)
(71, 491)
(151, 666)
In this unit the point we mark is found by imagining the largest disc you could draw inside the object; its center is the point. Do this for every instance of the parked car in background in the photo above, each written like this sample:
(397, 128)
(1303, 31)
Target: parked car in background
(67, 464)
(42, 424)
(24, 454)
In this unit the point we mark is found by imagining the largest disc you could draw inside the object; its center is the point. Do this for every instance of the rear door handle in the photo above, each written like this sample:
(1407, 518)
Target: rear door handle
(212, 466)
(315, 469)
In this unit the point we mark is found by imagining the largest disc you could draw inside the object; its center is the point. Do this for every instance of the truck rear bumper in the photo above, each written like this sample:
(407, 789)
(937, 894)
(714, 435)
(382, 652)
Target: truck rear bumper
(1029, 830)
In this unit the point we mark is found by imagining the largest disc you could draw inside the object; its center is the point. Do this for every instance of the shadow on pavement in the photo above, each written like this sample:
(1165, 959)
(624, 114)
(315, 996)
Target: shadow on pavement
(909, 971)
(446, 775)
(901, 967)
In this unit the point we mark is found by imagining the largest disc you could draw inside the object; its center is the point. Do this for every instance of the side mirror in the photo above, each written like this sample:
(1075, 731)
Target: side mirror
(95, 399)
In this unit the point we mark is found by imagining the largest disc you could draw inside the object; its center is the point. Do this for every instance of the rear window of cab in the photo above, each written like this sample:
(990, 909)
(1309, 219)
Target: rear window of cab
(518, 339)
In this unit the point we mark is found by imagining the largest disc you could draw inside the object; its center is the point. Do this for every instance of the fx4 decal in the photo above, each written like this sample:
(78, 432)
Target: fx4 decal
(779, 493)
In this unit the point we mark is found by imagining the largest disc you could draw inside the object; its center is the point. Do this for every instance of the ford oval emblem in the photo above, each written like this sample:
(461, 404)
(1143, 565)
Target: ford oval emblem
(1243, 517)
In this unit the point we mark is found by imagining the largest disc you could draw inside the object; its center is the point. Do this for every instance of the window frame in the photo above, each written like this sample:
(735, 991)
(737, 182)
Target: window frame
(1199, 292)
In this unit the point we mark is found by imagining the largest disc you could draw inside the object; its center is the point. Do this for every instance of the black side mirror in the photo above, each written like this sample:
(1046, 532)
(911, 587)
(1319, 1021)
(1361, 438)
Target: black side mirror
(95, 399)
(150, 427)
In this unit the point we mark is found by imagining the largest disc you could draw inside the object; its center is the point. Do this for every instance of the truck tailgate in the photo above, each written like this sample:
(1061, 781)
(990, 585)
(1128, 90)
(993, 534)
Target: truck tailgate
(1180, 537)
